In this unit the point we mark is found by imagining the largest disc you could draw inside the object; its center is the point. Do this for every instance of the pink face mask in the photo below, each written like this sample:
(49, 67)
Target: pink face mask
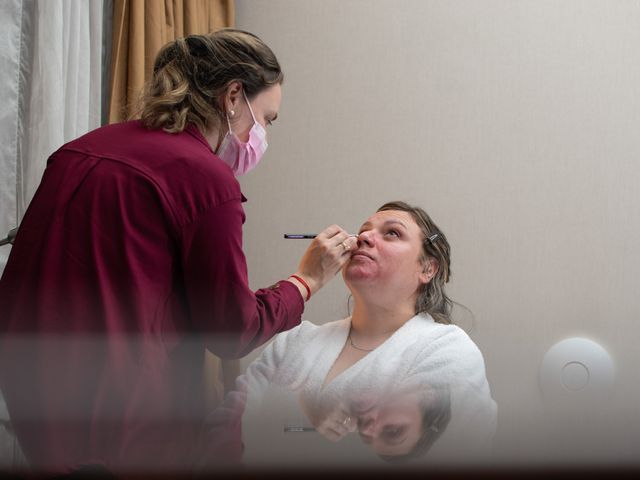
(243, 157)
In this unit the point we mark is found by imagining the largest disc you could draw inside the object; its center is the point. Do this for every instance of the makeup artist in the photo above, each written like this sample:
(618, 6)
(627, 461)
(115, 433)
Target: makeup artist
(129, 264)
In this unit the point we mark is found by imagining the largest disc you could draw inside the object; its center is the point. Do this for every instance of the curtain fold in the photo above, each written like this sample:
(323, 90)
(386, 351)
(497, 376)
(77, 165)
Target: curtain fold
(15, 30)
(141, 28)
(50, 92)
(63, 88)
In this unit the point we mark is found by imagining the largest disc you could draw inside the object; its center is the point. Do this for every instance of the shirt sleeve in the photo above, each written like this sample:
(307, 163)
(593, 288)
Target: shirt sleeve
(234, 319)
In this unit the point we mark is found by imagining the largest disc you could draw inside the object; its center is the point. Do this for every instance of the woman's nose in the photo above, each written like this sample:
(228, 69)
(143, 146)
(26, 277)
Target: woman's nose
(365, 238)
(366, 425)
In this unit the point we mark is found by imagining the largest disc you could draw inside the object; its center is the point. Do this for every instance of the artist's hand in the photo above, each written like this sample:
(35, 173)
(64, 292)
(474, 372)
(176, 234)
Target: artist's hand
(326, 255)
(336, 425)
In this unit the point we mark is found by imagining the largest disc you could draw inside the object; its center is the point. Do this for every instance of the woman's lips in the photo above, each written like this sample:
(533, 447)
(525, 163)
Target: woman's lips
(360, 253)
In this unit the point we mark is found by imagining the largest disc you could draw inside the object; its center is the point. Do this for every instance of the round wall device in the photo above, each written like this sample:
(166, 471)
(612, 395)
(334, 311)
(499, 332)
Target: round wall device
(576, 367)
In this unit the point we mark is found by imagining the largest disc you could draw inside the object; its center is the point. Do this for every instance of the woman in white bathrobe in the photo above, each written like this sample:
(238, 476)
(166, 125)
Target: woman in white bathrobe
(396, 371)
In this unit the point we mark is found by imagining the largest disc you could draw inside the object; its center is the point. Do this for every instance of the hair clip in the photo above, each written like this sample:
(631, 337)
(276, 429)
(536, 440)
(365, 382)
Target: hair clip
(434, 237)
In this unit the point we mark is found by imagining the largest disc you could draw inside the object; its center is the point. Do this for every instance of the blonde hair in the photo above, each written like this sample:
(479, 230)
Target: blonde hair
(191, 74)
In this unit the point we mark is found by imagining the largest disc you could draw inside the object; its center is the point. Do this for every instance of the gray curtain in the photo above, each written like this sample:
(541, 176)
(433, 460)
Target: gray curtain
(52, 89)
(16, 34)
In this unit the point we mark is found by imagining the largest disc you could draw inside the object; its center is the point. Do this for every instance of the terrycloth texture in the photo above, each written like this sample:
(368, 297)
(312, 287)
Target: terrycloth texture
(421, 354)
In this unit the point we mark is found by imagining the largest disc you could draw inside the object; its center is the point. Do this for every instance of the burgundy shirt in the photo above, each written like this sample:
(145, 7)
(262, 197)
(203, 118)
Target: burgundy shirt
(127, 266)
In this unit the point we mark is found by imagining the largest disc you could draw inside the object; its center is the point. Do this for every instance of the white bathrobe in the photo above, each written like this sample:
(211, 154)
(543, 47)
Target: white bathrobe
(421, 352)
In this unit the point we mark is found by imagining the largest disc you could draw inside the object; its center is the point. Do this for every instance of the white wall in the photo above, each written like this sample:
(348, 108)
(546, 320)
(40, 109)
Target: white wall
(515, 125)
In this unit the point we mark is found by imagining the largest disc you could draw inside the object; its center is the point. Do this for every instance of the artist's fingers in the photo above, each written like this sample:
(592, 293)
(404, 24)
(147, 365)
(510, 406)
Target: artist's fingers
(330, 232)
(342, 422)
(349, 244)
(344, 243)
(325, 256)
(351, 425)
(339, 238)
(336, 236)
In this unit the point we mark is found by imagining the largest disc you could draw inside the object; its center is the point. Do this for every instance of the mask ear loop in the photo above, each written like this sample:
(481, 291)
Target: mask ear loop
(249, 105)
(231, 113)
(229, 123)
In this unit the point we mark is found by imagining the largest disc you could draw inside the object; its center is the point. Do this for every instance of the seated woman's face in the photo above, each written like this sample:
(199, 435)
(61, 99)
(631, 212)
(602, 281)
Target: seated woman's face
(388, 254)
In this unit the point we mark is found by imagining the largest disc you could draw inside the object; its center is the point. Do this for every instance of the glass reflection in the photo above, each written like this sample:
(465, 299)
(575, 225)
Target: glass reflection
(394, 382)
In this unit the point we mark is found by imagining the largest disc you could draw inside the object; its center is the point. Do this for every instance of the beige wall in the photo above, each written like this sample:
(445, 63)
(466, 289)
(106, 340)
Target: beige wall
(515, 125)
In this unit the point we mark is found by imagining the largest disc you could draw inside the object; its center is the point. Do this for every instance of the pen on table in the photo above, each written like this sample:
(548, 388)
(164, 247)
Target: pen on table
(300, 236)
(297, 429)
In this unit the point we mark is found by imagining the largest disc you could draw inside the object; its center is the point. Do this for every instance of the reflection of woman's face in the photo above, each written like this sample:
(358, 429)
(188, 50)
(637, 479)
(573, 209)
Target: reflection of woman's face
(388, 254)
(392, 428)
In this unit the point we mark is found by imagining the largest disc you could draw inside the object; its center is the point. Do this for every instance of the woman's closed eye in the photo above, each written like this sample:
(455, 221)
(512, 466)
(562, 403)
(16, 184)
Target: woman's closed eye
(269, 121)
(393, 233)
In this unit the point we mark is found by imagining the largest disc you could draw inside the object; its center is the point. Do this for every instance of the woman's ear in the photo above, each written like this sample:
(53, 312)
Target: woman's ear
(429, 269)
(232, 96)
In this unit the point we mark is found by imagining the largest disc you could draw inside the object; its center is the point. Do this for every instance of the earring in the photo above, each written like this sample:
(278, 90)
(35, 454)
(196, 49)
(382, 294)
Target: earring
(231, 113)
